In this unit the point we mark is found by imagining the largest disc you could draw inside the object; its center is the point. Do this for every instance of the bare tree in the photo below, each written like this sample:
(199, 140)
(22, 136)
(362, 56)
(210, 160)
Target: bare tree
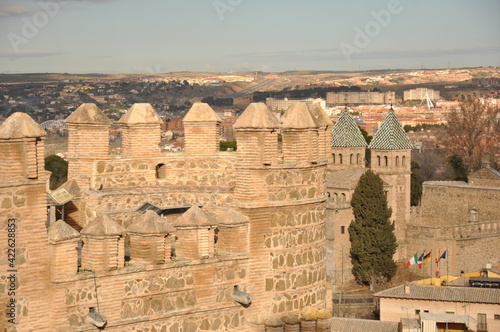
(472, 130)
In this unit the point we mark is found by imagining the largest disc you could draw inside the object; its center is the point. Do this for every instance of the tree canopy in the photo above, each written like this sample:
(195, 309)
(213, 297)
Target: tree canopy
(373, 242)
(472, 130)
(59, 169)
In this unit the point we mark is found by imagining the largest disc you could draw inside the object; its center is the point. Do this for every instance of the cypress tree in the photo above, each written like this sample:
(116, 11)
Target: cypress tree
(373, 242)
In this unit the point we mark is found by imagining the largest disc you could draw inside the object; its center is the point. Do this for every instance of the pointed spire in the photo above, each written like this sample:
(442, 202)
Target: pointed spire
(20, 125)
(391, 135)
(257, 115)
(346, 133)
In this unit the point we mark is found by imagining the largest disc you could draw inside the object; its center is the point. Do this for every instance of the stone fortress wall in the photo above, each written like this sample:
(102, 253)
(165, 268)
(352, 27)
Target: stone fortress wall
(270, 220)
(260, 229)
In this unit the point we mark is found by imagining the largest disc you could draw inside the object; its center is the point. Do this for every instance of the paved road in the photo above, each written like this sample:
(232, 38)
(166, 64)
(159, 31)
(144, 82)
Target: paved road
(251, 89)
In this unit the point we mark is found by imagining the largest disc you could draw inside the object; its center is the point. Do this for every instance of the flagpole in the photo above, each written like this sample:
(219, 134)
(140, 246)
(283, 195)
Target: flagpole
(447, 273)
(431, 266)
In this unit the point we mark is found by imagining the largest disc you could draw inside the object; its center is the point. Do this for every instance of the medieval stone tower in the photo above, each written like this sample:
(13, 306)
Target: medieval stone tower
(26, 255)
(282, 193)
(390, 158)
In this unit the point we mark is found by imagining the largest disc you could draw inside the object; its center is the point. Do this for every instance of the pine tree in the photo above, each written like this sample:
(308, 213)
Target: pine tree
(373, 242)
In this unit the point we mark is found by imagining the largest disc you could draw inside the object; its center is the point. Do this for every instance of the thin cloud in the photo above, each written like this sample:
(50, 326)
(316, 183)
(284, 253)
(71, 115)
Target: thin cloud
(29, 53)
(328, 54)
(10, 10)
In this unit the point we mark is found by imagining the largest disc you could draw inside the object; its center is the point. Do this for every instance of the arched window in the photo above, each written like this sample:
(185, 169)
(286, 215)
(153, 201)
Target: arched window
(378, 160)
(386, 161)
(335, 197)
(333, 158)
(351, 159)
(358, 159)
(161, 171)
(404, 161)
(340, 158)
(397, 161)
(343, 197)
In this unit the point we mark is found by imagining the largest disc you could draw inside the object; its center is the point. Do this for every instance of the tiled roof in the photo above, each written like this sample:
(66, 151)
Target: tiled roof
(444, 293)
(391, 135)
(355, 325)
(346, 132)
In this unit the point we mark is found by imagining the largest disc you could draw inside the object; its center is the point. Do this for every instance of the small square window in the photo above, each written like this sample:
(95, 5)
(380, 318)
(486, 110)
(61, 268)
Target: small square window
(497, 317)
(342, 229)
(417, 312)
(426, 311)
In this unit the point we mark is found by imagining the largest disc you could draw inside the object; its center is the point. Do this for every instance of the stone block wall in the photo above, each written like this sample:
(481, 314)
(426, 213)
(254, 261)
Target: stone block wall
(445, 204)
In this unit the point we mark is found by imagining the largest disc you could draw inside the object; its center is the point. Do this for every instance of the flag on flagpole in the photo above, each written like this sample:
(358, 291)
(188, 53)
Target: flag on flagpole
(438, 257)
(427, 257)
(413, 260)
(420, 260)
(443, 255)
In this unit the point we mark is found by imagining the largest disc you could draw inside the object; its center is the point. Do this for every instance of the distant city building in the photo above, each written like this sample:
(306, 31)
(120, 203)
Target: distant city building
(486, 81)
(356, 98)
(283, 104)
(421, 94)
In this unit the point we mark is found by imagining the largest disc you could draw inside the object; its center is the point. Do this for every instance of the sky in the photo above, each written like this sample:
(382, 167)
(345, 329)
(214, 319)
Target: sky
(158, 36)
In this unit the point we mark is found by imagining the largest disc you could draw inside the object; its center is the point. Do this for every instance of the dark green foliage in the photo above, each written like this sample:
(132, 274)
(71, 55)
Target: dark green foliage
(373, 242)
(59, 169)
(458, 169)
(416, 184)
(218, 101)
(368, 139)
(228, 145)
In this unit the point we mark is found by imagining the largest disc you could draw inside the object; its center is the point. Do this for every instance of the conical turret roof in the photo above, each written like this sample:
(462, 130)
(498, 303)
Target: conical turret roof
(201, 112)
(346, 133)
(88, 113)
(141, 113)
(297, 116)
(20, 125)
(195, 217)
(320, 116)
(391, 135)
(257, 115)
(61, 231)
(151, 223)
(102, 226)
